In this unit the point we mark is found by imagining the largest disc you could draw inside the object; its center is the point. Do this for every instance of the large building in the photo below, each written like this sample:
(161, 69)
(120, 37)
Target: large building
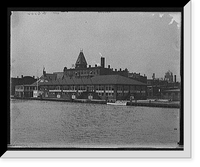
(82, 69)
(86, 82)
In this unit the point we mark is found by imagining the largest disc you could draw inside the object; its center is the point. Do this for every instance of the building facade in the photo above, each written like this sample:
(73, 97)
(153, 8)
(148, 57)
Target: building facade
(82, 69)
(105, 87)
(86, 82)
(20, 81)
(157, 88)
(173, 94)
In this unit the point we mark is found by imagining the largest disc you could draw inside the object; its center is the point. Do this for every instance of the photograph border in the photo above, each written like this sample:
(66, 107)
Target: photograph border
(81, 151)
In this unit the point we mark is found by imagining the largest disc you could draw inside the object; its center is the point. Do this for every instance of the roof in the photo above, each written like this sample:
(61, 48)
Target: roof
(81, 61)
(96, 80)
(173, 90)
(115, 79)
(50, 76)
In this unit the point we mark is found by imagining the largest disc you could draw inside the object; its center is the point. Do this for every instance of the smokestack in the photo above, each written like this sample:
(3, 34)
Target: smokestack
(175, 78)
(103, 62)
(153, 76)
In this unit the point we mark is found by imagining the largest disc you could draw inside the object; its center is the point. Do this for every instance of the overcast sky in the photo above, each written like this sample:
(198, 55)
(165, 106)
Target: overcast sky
(143, 42)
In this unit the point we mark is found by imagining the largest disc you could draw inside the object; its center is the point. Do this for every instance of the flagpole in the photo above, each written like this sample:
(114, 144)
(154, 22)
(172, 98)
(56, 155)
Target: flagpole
(37, 83)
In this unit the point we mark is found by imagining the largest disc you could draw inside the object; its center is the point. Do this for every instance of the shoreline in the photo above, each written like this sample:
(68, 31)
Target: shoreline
(135, 103)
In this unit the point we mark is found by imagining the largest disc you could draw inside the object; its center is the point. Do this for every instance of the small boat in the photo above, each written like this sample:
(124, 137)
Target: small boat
(118, 103)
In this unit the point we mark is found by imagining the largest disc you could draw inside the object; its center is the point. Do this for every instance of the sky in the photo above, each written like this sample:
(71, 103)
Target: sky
(142, 42)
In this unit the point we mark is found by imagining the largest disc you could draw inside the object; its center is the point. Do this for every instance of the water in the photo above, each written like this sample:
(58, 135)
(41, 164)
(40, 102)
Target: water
(65, 124)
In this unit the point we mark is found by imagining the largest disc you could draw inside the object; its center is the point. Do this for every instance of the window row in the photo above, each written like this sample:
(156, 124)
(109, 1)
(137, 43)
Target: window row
(81, 72)
(97, 87)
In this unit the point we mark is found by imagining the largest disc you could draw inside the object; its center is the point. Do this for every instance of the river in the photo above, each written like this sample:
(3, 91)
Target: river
(65, 124)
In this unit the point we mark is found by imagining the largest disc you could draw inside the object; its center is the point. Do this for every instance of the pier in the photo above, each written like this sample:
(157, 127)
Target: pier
(142, 103)
(154, 104)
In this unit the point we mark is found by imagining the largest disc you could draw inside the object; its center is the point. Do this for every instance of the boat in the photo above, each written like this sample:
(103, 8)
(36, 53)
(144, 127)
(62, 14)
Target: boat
(118, 103)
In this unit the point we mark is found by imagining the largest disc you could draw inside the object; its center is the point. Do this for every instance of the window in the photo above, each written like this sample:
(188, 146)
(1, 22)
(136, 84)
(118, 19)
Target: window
(110, 94)
(132, 88)
(126, 88)
(142, 87)
(90, 88)
(101, 87)
(138, 87)
(100, 94)
(109, 87)
(57, 87)
(119, 88)
(119, 94)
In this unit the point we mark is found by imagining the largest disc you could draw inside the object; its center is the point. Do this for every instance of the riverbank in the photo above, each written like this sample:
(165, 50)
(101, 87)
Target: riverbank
(144, 103)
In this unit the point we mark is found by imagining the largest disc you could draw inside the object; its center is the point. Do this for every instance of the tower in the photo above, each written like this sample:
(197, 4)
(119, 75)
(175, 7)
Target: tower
(103, 62)
(81, 61)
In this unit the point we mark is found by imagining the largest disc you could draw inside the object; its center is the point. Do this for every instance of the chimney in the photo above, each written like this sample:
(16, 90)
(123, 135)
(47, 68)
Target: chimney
(103, 62)
(120, 69)
(115, 69)
(108, 66)
(175, 78)
(21, 76)
(95, 65)
(153, 76)
(33, 77)
(89, 66)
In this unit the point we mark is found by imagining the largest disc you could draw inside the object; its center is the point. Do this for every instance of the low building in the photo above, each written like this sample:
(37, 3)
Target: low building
(24, 80)
(156, 87)
(24, 90)
(172, 94)
(104, 87)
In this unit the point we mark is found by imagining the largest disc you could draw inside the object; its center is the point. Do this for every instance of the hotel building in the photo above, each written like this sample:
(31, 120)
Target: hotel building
(86, 82)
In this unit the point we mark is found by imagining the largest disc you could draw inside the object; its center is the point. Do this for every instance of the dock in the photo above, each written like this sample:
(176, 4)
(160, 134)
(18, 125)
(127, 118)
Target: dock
(142, 103)
(153, 104)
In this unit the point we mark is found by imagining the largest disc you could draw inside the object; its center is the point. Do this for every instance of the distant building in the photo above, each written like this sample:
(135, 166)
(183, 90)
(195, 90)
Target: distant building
(173, 94)
(157, 88)
(20, 81)
(169, 76)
